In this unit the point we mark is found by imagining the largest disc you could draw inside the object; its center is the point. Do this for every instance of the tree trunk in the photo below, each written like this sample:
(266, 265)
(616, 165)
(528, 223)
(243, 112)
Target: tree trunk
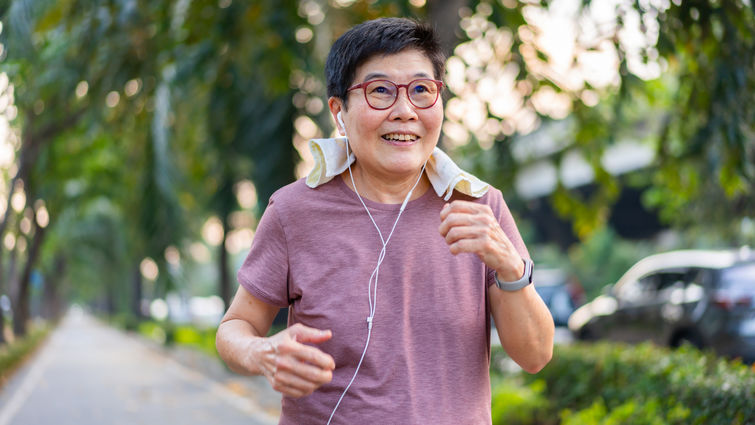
(2, 322)
(51, 305)
(11, 282)
(6, 215)
(225, 278)
(109, 298)
(31, 145)
(136, 301)
(443, 15)
(21, 310)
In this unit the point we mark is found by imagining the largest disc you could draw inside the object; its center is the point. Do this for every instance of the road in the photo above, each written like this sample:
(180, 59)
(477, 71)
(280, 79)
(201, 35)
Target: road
(87, 373)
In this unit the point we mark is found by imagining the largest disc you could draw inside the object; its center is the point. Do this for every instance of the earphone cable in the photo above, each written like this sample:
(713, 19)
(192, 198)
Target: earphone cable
(372, 298)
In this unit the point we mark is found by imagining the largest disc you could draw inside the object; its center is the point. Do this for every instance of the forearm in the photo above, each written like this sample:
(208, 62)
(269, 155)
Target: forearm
(524, 325)
(240, 346)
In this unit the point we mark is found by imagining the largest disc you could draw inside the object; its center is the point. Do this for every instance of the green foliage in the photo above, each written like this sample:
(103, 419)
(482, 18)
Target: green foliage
(602, 259)
(136, 119)
(166, 333)
(516, 404)
(647, 412)
(696, 111)
(202, 339)
(13, 354)
(608, 383)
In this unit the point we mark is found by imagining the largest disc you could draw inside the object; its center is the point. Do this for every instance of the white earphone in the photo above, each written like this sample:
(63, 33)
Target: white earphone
(340, 121)
(371, 292)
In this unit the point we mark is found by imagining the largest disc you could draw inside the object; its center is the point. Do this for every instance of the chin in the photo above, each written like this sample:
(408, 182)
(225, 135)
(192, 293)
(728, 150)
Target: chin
(405, 167)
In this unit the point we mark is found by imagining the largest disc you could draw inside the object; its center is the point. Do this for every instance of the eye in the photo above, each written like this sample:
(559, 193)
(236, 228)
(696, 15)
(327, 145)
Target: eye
(381, 88)
(419, 88)
(423, 88)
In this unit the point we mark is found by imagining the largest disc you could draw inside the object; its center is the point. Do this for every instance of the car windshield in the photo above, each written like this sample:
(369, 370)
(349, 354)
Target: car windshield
(738, 284)
(739, 279)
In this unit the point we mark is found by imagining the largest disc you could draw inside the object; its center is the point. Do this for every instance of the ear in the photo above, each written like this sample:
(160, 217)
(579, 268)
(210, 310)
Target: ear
(336, 106)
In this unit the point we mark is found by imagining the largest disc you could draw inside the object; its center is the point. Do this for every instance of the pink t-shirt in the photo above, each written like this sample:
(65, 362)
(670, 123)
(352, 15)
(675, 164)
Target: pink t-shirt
(429, 353)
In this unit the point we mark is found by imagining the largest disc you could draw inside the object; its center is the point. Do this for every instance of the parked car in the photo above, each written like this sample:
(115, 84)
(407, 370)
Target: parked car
(553, 287)
(705, 298)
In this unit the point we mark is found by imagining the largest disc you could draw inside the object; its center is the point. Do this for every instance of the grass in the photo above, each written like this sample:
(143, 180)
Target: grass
(13, 355)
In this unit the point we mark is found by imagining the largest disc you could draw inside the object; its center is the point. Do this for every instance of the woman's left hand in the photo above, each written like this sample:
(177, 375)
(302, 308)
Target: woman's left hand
(471, 227)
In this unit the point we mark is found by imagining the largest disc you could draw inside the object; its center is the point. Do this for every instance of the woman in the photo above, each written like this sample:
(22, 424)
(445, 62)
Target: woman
(390, 288)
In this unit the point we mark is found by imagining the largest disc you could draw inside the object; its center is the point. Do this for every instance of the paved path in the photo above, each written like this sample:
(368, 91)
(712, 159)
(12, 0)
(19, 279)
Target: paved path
(88, 373)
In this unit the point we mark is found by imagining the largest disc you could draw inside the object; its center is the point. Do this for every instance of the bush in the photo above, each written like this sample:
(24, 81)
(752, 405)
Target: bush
(614, 384)
(635, 412)
(517, 404)
(185, 335)
(202, 339)
(13, 354)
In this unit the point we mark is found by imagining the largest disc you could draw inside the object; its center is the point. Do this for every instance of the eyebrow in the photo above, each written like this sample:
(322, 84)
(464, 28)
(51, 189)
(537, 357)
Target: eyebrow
(379, 75)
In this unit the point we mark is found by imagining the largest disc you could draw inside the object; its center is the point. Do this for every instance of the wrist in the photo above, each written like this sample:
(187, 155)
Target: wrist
(512, 273)
(258, 349)
(521, 282)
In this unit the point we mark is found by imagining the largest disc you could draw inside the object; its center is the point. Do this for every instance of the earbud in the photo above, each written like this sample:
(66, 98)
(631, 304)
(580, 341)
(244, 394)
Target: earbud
(340, 121)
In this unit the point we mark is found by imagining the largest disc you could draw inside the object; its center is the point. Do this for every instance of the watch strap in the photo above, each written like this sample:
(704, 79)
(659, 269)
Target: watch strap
(525, 280)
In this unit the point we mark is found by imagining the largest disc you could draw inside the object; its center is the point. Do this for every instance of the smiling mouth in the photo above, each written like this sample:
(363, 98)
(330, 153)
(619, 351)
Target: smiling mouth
(400, 137)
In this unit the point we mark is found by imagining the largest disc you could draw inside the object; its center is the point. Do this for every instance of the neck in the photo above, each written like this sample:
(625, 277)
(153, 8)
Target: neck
(382, 190)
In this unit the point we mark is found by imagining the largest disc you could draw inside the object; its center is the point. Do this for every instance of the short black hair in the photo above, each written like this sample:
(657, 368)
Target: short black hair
(378, 37)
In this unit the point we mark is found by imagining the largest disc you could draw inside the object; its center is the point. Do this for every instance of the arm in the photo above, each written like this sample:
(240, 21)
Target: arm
(291, 367)
(524, 323)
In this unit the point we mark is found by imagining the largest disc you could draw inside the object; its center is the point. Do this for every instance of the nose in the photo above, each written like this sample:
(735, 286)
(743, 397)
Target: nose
(403, 109)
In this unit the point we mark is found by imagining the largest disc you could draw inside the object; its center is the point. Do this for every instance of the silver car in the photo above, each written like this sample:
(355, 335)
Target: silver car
(705, 298)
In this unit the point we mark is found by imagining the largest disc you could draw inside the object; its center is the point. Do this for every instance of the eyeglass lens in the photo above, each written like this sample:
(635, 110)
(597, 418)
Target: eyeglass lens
(382, 93)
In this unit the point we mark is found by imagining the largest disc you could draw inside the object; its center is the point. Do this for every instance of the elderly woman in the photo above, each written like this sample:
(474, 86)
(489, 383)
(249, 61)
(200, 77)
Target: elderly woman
(390, 287)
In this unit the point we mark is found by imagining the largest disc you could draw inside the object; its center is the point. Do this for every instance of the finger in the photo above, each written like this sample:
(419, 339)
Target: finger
(306, 334)
(463, 206)
(464, 232)
(472, 246)
(288, 384)
(314, 356)
(309, 372)
(300, 375)
(457, 219)
(306, 353)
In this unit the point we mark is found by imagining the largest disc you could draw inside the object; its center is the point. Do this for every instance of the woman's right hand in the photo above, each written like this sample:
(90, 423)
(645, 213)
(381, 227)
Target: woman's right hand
(292, 367)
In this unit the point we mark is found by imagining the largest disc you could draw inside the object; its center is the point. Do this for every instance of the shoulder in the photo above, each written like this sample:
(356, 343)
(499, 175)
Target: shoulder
(290, 192)
(298, 193)
(297, 199)
(492, 197)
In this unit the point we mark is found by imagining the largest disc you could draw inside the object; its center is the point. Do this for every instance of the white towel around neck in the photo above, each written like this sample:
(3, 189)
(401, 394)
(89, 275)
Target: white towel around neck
(443, 173)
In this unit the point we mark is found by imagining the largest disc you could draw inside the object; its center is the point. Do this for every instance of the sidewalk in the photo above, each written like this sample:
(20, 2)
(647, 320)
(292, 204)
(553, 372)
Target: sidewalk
(87, 373)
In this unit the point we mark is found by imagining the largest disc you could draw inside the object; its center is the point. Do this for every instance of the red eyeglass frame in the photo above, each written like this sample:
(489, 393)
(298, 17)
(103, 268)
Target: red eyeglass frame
(363, 86)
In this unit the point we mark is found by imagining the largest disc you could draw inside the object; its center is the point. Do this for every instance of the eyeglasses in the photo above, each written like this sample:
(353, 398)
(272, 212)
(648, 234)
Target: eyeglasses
(382, 94)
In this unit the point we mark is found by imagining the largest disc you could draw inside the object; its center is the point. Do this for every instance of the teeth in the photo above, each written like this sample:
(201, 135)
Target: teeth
(400, 137)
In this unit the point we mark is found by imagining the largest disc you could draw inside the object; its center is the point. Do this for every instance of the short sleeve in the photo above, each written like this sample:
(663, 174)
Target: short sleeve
(264, 273)
(506, 220)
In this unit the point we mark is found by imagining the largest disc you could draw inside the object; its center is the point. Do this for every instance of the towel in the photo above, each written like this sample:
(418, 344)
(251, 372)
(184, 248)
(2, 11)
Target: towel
(442, 171)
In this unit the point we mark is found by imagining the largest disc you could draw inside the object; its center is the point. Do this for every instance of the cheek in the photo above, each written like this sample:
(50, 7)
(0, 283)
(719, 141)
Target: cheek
(368, 122)
(433, 121)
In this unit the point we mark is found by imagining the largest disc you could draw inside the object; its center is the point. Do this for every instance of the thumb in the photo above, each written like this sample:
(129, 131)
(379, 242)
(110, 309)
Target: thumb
(302, 333)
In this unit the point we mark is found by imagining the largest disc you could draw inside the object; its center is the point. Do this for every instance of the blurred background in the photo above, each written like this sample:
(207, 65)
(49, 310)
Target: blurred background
(141, 140)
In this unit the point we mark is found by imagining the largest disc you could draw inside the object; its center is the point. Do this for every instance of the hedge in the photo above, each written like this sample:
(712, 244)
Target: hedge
(13, 354)
(167, 333)
(607, 383)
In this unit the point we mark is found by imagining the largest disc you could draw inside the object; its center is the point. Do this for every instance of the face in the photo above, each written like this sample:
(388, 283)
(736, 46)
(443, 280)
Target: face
(394, 142)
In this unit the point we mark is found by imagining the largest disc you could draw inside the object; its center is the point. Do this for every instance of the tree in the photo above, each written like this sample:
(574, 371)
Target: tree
(684, 87)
